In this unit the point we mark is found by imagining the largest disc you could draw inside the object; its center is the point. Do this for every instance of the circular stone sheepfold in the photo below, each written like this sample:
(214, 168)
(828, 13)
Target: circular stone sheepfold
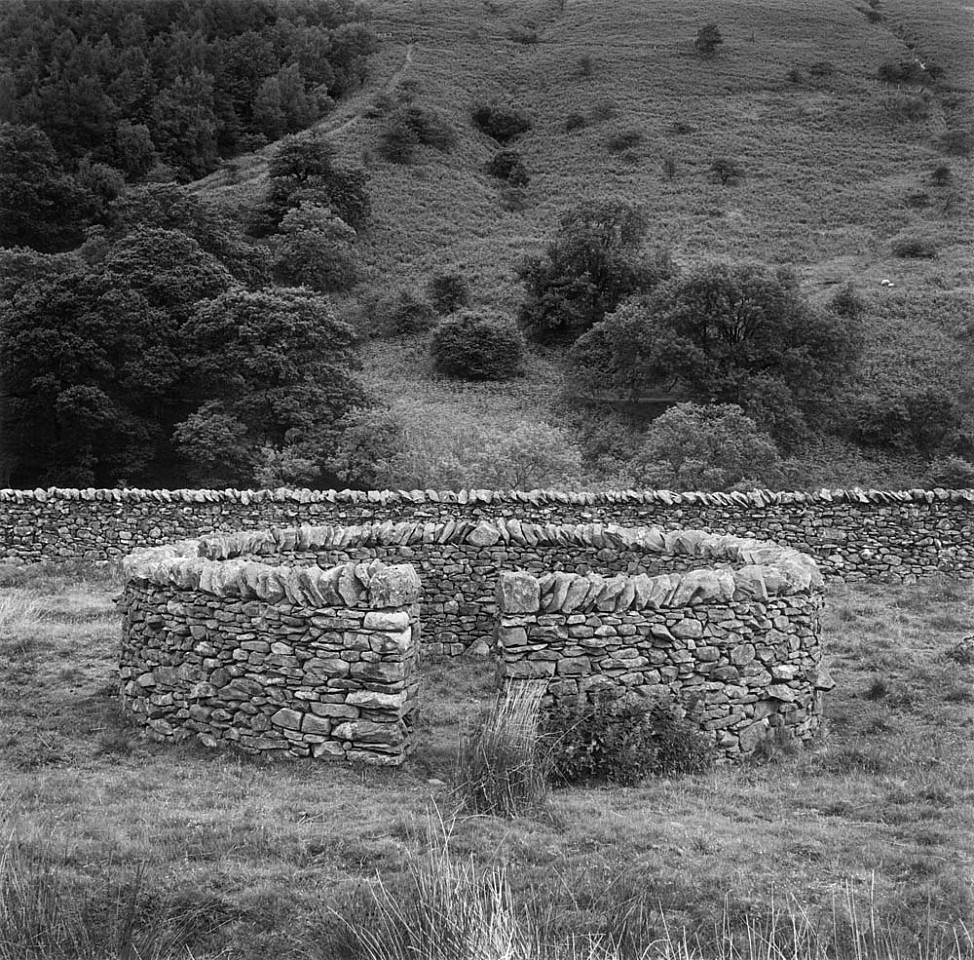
(735, 645)
(295, 660)
(459, 561)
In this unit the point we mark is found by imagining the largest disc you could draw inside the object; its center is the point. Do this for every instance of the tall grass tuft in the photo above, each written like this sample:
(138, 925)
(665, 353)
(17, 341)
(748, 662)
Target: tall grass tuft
(448, 909)
(502, 763)
(20, 614)
(46, 916)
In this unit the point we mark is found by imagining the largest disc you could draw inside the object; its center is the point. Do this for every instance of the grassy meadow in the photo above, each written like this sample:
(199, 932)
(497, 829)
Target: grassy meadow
(859, 847)
(837, 170)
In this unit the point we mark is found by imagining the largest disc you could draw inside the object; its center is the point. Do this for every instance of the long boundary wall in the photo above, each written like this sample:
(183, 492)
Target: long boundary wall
(853, 534)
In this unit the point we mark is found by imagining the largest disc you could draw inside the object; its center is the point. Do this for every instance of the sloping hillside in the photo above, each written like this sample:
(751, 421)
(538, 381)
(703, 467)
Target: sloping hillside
(836, 162)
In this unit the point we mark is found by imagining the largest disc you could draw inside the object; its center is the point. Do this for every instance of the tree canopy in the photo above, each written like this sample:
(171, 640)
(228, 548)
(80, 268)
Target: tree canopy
(106, 363)
(592, 264)
(706, 447)
(271, 374)
(738, 334)
(127, 87)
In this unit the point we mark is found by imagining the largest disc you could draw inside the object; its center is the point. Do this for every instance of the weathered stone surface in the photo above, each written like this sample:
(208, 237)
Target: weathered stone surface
(289, 719)
(396, 586)
(518, 593)
(274, 677)
(383, 620)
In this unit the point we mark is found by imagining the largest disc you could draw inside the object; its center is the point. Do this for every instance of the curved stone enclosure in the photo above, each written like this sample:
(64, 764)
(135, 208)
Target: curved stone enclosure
(459, 561)
(314, 652)
(298, 660)
(736, 647)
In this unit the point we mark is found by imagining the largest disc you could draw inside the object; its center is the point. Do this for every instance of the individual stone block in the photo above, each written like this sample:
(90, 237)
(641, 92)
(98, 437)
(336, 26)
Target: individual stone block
(517, 592)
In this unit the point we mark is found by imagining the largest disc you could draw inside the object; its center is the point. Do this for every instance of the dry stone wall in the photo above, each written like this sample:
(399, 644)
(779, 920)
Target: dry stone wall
(300, 661)
(736, 648)
(853, 534)
(459, 561)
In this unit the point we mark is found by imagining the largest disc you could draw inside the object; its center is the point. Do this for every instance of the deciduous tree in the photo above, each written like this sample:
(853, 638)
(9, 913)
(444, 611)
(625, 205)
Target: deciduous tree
(594, 262)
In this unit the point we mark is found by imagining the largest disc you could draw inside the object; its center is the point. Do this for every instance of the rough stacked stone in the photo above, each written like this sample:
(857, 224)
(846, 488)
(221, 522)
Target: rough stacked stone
(459, 561)
(736, 648)
(299, 661)
(854, 534)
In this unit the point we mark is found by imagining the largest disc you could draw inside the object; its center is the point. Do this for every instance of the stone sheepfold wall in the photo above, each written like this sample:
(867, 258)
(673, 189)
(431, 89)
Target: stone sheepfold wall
(853, 534)
(301, 661)
(459, 561)
(738, 650)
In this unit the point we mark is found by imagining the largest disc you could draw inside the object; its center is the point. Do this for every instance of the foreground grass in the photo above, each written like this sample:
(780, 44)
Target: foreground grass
(227, 856)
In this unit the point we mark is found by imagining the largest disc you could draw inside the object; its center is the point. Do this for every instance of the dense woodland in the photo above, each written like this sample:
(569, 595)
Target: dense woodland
(159, 329)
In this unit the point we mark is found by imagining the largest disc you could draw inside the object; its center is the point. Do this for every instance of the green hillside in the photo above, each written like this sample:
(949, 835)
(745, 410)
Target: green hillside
(836, 164)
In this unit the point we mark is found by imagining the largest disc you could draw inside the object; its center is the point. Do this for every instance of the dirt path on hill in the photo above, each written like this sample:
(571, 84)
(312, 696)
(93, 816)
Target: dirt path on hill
(227, 179)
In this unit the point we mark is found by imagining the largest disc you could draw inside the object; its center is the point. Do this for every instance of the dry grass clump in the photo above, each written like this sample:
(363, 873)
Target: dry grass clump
(502, 767)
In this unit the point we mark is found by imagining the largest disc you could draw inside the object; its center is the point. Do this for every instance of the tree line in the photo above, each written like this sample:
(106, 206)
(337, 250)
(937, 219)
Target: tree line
(96, 95)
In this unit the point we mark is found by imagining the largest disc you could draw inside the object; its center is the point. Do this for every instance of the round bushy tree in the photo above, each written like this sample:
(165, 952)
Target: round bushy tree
(316, 249)
(739, 334)
(706, 447)
(592, 265)
(478, 346)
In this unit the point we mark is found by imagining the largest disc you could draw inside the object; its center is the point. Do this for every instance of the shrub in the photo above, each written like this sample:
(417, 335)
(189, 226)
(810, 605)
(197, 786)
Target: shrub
(477, 346)
(709, 447)
(502, 767)
(726, 170)
(957, 143)
(919, 419)
(434, 444)
(509, 165)
(847, 303)
(621, 740)
(733, 334)
(906, 71)
(397, 141)
(794, 75)
(575, 121)
(623, 140)
(915, 248)
(822, 68)
(708, 39)
(430, 128)
(951, 473)
(501, 121)
(410, 126)
(523, 33)
(403, 312)
(448, 292)
(942, 175)
(904, 107)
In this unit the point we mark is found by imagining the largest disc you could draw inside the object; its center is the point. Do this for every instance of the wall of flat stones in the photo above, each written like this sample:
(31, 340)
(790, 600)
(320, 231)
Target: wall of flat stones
(853, 534)
(459, 562)
(301, 663)
(743, 664)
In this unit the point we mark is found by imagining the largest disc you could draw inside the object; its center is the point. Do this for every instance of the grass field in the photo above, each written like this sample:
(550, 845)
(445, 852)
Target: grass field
(227, 856)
